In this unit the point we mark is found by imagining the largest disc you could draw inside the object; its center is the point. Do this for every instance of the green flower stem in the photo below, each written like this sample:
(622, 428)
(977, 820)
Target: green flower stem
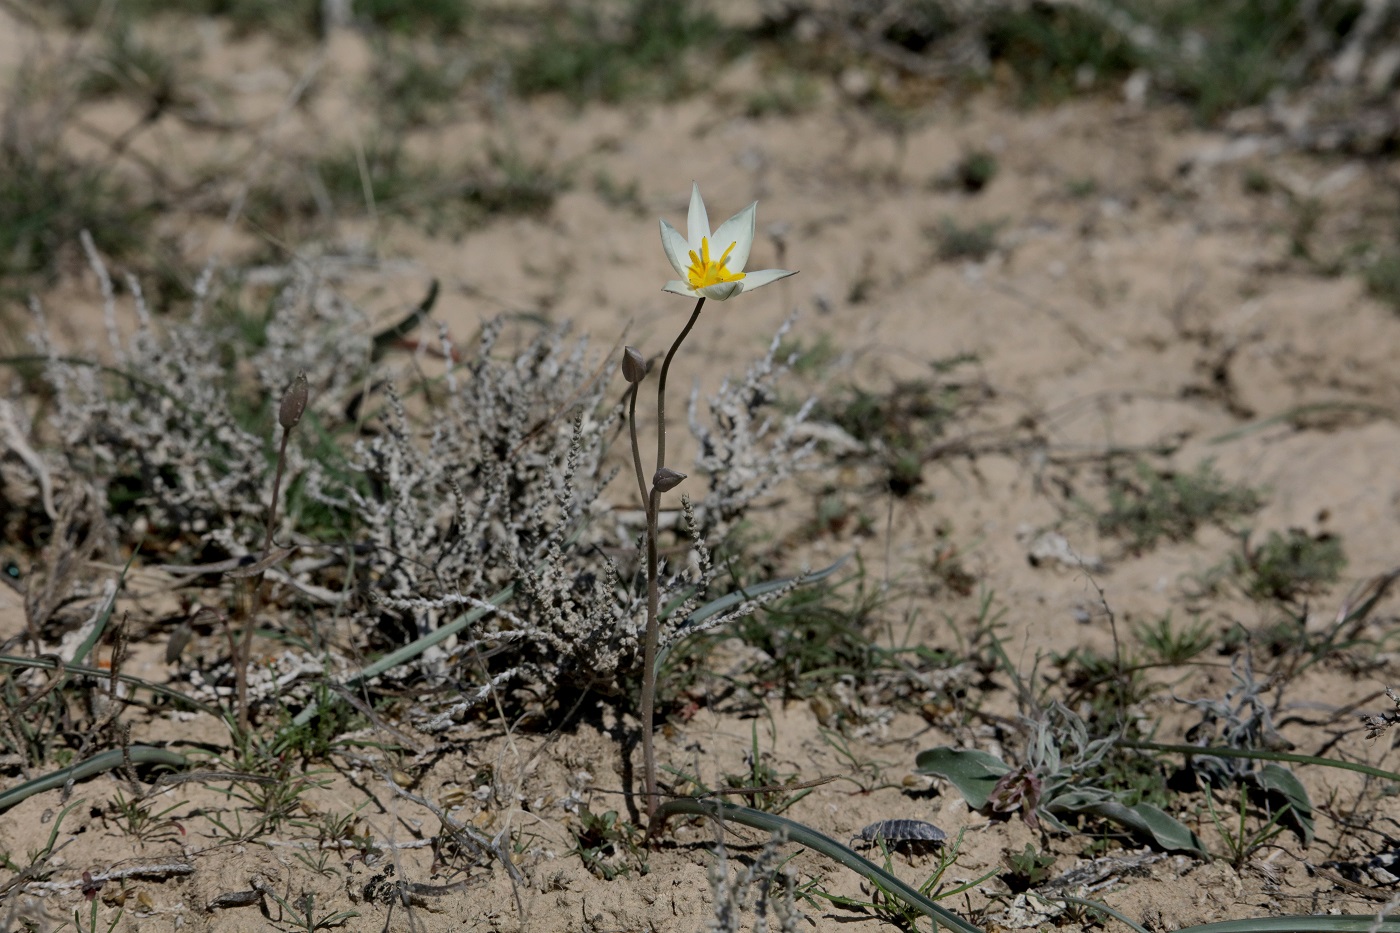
(653, 632)
(88, 767)
(816, 841)
(661, 385)
(1261, 755)
(652, 640)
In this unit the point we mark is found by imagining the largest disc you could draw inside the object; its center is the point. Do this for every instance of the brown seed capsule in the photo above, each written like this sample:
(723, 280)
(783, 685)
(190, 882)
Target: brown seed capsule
(667, 479)
(634, 368)
(294, 402)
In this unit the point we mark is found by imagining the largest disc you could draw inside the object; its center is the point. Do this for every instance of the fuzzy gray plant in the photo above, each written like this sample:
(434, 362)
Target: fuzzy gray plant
(764, 889)
(486, 488)
(747, 449)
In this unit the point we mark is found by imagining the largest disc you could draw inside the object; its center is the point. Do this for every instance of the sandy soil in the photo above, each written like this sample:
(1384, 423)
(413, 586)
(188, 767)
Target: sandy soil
(1142, 295)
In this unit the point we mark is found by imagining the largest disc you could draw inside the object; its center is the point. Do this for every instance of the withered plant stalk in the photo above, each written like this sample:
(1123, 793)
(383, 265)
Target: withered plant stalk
(288, 415)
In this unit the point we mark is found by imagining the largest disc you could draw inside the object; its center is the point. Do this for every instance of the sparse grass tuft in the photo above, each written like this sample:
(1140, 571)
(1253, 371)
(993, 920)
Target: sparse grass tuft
(594, 52)
(1287, 566)
(1057, 49)
(1158, 506)
(958, 242)
(1382, 275)
(975, 171)
(47, 198)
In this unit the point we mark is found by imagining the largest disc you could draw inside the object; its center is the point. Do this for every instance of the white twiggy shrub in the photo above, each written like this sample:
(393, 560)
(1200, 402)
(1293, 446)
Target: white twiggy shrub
(747, 447)
(492, 477)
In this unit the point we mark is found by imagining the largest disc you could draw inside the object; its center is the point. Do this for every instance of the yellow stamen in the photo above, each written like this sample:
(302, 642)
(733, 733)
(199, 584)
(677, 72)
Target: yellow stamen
(704, 272)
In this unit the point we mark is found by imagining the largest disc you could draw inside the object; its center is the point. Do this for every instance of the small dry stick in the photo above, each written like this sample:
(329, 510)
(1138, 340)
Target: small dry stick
(288, 415)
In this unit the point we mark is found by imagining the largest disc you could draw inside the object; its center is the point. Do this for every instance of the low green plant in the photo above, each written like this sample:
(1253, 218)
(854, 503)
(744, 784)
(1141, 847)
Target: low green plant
(1221, 57)
(901, 425)
(975, 171)
(1165, 643)
(419, 17)
(140, 820)
(48, 196)
(1290, 565)
(417, 82)
(300, 914)
(592, 52)
(1241, 840)
(130, 66)
(92, 924)
(608, 844)
(765, 788)
(1053, 49)
(1382, 276)
(1155, 505)
(814, 636)
(1054, 784)
(784, 94)
(955, 241)
(1028, 868)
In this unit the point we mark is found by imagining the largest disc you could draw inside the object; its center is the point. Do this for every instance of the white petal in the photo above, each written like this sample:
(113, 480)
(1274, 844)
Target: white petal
(677, 250)
(738, 230)
(677, 287)
(722, 291)
(762, 277)
(697, 222)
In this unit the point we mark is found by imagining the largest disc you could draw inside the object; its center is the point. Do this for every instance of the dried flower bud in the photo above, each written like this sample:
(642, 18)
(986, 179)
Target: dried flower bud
(667, 479)
(634, 368)
(293, 402)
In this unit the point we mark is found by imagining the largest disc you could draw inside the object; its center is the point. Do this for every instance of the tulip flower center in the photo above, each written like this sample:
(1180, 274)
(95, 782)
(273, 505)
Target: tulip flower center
(705, 271)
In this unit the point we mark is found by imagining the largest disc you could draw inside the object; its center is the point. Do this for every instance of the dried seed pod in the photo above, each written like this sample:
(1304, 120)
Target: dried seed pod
(294, 402)
(634, 368)
(667, 479)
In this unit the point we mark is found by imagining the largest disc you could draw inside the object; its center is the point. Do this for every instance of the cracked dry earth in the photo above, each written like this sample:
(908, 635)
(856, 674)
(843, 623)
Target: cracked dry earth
(1143, 296)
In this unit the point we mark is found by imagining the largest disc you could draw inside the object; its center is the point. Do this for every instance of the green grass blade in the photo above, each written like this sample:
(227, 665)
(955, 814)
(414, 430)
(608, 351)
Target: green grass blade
(1260, 755)
(1302, 924)
(818, 842)
(88, 767)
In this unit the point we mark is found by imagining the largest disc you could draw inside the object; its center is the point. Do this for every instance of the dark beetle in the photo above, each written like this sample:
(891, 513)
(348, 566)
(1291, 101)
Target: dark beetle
(902, 833)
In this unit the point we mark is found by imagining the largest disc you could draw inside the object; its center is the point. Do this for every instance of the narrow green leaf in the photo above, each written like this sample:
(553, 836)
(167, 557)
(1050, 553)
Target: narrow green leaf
(725, 603)
(1303, 924)
(974, 773)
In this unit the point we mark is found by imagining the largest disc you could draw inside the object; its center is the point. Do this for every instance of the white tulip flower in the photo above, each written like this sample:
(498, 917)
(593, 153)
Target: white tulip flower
(703, 274)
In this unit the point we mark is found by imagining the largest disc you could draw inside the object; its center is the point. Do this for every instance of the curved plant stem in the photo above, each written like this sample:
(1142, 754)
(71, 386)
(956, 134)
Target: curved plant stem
(88, 767)
(661, 385)
(653, 632)
(818, 842)
(49, 663)
(652, 640)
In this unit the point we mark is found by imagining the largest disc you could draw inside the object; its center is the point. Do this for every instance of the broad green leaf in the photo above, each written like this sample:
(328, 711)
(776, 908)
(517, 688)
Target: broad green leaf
(974, 773)
(1276, 779)
(1143, 818)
